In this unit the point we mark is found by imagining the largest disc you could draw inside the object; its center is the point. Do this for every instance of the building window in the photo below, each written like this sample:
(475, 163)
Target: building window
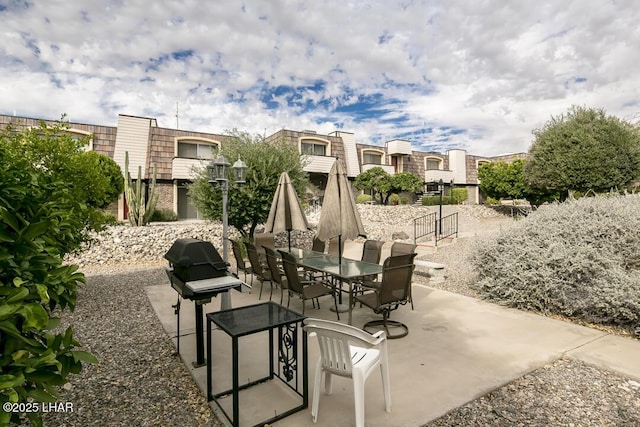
(371, 158)
(433, 164)
(77, 134)
(194, 150)
(313, 148)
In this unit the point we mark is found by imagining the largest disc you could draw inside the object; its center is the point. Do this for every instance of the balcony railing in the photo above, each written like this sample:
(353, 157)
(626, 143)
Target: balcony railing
(388, 168)
(182, 168)
(435, 175)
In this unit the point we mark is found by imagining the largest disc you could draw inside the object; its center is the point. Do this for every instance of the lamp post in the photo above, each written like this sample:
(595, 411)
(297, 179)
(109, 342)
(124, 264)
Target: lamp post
(218, 171)
(441, 190)
(451, 191)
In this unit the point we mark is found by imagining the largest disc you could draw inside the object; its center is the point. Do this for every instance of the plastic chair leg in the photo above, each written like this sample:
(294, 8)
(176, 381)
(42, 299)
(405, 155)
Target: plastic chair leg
(386, 386)
(315, 400)
(358, 397)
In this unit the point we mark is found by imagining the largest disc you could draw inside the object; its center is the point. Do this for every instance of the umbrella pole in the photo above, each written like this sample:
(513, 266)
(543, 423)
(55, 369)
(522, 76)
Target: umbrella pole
(342, 308)
(289, 233)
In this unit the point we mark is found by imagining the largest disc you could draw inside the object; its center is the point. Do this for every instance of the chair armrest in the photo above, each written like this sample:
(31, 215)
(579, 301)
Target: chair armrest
(358, 334)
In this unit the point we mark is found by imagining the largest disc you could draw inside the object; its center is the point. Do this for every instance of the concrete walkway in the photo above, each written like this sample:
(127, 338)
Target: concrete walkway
(457, 350)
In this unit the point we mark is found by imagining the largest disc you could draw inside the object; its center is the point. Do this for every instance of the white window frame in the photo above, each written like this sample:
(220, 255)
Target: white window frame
(376, 151)
(315, 141)
(440, 163)
(215, 145)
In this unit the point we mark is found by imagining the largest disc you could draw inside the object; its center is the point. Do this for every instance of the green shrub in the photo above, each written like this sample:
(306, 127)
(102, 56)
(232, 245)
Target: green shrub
(110, 218)
(163, 215)
(404, 200)
(579, 259)
(394, 199)
(42, 218)
(363, 198)
(460, 195)
(435, 200)
(491, 201)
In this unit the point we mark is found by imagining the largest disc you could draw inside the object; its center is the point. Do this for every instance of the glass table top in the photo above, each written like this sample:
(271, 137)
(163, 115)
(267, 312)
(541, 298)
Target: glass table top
(254, 318)
(347, 269)
(299, 253)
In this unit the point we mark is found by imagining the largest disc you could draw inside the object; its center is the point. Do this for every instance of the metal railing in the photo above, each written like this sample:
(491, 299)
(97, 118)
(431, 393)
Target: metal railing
(424, 226)
(441, 228)
(313, 208)
(447, 226)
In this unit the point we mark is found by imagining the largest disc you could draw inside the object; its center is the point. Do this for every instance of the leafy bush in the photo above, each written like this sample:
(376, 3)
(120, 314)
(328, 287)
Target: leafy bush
(363, 198)
(163, 215)
(394, 199)
(434, 200)
(42, 219)
(404, 200)
(491, 201)
(460, 195)
(502, 180)
(580, 259)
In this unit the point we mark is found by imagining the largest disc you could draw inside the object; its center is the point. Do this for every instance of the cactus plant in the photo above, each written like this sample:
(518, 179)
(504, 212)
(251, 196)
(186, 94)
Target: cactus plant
(140, 209)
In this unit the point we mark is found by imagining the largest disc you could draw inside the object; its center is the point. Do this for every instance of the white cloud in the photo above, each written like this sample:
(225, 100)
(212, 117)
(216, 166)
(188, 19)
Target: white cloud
(492, 71)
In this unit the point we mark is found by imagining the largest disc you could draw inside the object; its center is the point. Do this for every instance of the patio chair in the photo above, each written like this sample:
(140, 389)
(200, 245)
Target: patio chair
(277, 273)
(241, 262)
(305, 289)
(371, 253)
(259, 269)
(390, 293)
(349, 352)
(264, 239)
(399, 248)
(318, 245)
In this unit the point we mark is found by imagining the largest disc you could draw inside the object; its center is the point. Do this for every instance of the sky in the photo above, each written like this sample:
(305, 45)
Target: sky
(478, 75)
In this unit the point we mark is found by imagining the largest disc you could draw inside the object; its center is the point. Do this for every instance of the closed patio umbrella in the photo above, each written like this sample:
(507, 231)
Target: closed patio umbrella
(339, 216)
(286, 213)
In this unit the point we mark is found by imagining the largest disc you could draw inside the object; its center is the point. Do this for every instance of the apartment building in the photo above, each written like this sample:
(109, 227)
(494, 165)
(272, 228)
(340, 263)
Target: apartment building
(177, 153)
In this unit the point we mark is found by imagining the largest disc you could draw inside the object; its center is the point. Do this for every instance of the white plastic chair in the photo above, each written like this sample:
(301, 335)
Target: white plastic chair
(348, 352)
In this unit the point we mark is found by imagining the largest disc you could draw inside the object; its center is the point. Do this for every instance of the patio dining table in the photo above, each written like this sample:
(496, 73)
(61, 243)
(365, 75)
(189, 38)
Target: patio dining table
(300, 253)
(345, 270)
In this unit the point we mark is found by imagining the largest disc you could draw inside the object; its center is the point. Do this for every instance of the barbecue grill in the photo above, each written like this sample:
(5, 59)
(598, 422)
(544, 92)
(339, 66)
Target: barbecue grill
(198, 273)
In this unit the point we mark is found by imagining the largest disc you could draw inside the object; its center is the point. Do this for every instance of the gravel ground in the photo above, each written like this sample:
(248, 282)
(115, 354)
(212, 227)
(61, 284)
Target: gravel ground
(140, 381)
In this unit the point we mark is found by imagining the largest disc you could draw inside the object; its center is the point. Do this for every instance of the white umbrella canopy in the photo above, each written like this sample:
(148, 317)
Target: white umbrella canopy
(339, 216)
(286, 213)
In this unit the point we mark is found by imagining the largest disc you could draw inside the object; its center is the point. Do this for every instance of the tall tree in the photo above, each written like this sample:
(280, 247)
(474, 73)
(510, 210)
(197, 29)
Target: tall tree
(376, 180)
(248, 206)
(584, 149)
(383, 185)
(403, 182)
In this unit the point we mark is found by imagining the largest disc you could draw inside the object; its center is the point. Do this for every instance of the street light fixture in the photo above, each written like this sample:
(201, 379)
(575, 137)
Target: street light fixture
(218, 171)
(441, 190)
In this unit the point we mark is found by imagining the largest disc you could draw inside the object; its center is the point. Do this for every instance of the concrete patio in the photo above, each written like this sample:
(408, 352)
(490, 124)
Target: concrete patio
(457, 350)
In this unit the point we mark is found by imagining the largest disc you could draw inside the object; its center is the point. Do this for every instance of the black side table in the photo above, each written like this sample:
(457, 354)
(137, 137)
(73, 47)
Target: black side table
(242, 321)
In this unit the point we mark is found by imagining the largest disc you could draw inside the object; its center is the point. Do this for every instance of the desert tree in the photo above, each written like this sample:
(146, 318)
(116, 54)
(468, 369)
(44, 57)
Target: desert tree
(584, 149)
(248, 206)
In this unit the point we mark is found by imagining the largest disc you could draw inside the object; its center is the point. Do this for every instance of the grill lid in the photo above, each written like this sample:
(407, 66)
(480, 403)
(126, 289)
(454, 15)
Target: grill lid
(194, 259)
